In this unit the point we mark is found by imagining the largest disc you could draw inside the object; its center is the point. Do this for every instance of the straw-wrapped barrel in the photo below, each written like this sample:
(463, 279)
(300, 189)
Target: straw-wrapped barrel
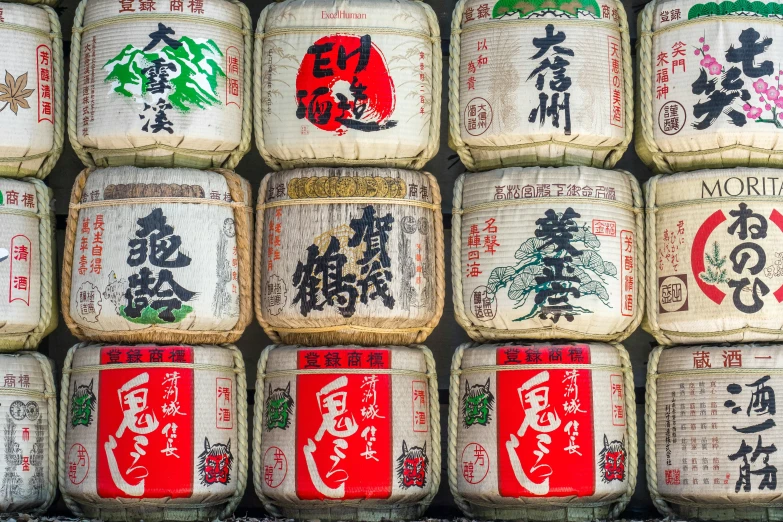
(28, 414)
(346, 433)
(551, 253)
(28, 306)
(542, 432)
(349, 255)
(158, 255)
(153, 433)
(163, 84)
(709, 90)
(354, 82)
(714, 256)
(539, 83)
(712, 436)
(31, 92)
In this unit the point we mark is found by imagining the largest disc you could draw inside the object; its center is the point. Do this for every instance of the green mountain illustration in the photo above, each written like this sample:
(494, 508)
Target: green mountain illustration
(193, 81)
(740, 6)
(526, 7)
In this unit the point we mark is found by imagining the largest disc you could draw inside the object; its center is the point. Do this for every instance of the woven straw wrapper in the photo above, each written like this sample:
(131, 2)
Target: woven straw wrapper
(505, 106)
(158, 255)
(27, 259)
(542, 432)
(371, 415)
(381, 233)
(182, 410)
(715, 266)
(379, 105)
(31, 90)
(712, 432)
(29, 420)
(690, 52)
(513, 227)
(166, 87)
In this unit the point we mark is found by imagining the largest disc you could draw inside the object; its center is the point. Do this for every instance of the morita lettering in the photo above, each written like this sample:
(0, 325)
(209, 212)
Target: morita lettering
(747, 186)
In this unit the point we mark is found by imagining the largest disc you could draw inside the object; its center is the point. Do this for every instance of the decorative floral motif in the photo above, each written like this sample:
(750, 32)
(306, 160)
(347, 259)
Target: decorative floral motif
(13, 93)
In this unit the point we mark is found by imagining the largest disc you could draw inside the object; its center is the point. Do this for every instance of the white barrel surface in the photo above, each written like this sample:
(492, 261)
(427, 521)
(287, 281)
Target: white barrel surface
(31, 90)
(713, 439)
(351, 255)
(714, 261)
(543, 431)
(158, 252)
(354, 82)
(28, 416)
(347, 433)
(540, 83)
(27, 257)
(153, 432)
(161, 83)
(710, 85)
(548, 253)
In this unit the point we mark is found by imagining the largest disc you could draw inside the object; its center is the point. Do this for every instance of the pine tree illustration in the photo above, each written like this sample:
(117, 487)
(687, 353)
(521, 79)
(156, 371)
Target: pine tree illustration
(715, 272)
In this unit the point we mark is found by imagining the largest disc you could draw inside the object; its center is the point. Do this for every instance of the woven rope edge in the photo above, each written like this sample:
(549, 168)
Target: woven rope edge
(65, 386)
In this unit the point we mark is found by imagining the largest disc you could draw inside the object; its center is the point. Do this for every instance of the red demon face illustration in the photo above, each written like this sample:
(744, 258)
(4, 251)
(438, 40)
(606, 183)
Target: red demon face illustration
(215, 463)
(612, 460)
(412, 466)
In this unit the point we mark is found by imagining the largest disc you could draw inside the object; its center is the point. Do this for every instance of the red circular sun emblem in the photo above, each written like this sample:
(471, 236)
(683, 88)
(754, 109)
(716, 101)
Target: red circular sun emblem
(343, 83)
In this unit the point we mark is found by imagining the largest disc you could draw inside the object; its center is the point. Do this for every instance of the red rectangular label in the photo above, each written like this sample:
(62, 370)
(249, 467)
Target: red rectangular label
(627, 278)
(145, 433)
(365, 358)
(419, 398)
(545, 435)
(344, 426)
(43, 55)
(21, 269)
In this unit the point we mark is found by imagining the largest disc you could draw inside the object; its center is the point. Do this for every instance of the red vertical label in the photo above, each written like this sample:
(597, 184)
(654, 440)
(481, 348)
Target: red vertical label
(145, 424)
(344, 426)
(21, 269)
(545, 435)
(233, 77)
(627, 279)
(43, 54)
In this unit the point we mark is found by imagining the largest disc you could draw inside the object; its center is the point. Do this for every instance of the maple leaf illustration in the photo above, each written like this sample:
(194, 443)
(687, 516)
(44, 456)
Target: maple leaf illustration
(14, 94)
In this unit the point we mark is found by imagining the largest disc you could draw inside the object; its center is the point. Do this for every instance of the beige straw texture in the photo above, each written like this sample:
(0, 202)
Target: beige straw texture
(494, 148)
(409, 365)
(47, 252)
(402, 31)
(39, 165)
(219, 506)
(342, 196)
(238, 189)
(160, 154)
(481, 499)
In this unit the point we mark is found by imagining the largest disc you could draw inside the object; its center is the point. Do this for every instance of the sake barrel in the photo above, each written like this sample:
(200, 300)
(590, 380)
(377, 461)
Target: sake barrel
(526, 86)
(163, 84)
(31, 91)
(346, 433)
(711, 431)
(714, 256)
(28, 412)
(28, 307)
(542, 431)
(349, 255)
(153, 432)
(709, 85)
(548, 253)
(354, 82)
(158, 255)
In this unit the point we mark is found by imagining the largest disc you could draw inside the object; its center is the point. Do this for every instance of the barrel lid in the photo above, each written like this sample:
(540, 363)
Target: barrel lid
(19, 195)
(26, 15)
(207, 10)
(294, 357)
(586, 183)
(532, 354)
(21, 371)
(128, 182)
(101, 354)
(365, 15)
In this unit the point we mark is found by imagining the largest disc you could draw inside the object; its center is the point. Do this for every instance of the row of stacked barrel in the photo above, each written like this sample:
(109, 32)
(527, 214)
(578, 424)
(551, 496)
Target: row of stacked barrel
(328, 93)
